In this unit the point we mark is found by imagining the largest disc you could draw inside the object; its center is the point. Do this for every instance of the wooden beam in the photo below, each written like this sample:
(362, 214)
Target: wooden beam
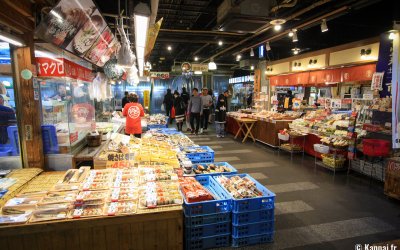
(24, 7)
(28, 109)
(15, 21)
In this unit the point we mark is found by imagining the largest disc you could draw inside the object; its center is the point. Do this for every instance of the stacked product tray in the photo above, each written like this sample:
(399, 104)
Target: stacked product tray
(252, 218)
(207, 223)
(201, 157)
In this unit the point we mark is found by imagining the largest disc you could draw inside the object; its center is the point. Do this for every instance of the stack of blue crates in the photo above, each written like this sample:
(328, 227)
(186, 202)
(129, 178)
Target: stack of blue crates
(252, 218)
(203, 157)
(207, 223)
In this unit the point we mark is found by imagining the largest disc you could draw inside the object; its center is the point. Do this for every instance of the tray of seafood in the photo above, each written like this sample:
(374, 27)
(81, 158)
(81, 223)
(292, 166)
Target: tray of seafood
(88, 211)
(159, 194)
(59, 197)
(123, 194)
(121, 207)
(50, 214)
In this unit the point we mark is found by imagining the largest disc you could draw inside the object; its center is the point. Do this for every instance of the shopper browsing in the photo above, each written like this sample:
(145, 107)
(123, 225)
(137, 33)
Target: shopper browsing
(179, 107)
(195, 109)
(220, 116)
(133, 112)
(206, 104)
(168, 102)
(125, 100)
(186, 97)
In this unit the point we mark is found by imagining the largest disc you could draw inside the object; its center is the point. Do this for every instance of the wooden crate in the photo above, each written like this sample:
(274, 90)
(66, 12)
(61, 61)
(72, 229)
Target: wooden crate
(157, 229)
(392, 178)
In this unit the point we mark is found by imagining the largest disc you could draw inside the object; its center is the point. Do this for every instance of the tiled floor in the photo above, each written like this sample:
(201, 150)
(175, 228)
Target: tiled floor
(314, 208)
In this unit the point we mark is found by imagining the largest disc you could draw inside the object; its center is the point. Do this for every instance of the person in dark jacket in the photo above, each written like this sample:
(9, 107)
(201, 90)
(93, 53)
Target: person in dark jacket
(220, 116)
(180, 109)
(125, 100)
(168, 103)
(185, 96)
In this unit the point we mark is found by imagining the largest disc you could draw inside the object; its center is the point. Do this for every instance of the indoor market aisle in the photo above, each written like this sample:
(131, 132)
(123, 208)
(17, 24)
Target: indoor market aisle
(314, 209)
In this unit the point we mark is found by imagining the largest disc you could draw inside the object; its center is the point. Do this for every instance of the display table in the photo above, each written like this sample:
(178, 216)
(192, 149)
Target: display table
(151, 229)
(248, 124)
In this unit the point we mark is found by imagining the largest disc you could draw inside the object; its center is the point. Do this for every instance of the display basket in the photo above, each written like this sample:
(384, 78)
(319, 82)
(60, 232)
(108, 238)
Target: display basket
(267, 201)
(376, 147)
(252, 240)
(217, 164)
(252, 217)
(283, 137)
(221, 204)
(320, 148)
(207, 230)
(193, 221)
(246, 230)
(333, 162)
(208, 242)
(201, 157)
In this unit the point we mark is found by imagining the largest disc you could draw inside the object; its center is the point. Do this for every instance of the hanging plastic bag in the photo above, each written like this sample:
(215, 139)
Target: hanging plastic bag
(162, 107)
(172, 115)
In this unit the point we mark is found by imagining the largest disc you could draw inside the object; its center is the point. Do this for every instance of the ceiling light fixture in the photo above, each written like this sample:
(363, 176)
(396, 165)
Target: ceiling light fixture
(169, 48)
(296, 51)
(251, 52)
(392, 34)
(196, 58)
(198, 73)
(252, 67)
(295, 38)
(267, 46)
(324, 26)
(11, 39)
(277, 23)
(220, 43)
(238, 57)
(290, 34)
(141, 20)
(212, 65)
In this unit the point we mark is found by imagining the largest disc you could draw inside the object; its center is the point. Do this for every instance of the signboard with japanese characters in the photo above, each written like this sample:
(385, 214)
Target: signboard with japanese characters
(59, 67)
(159, 75)
(377, 80)
(200, 67)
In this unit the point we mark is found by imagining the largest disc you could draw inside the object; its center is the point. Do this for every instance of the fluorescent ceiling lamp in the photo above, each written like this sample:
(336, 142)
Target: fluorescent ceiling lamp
(141, 20)
(198, 73)
(11, 39)
(40, 53)
(212, 65)
(141, 66)
(251, 52)
(324, 26)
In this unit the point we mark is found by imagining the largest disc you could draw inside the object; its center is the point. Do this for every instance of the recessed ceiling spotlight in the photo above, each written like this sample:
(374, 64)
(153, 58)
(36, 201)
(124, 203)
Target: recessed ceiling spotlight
(169, 48)
(196, 58)
(238, 57)
(290, 34)
(324, 26)
(220, 43)
(296, 51)
(277, 23)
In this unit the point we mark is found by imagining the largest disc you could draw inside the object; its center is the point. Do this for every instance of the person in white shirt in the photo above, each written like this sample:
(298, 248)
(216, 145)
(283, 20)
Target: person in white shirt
(207, 102)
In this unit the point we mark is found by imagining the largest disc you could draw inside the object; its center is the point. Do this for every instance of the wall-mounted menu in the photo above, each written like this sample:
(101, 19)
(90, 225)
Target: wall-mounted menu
(78, 27)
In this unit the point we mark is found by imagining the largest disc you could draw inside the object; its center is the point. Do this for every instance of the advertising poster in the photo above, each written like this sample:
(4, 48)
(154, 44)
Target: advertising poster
(100, 47)
(395, 93)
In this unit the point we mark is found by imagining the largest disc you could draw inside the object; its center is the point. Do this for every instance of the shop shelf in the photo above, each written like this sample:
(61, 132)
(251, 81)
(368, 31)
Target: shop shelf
(252, 240)
(218, 164)
(221, 204)
(207, 230)
(192, 221)
(252, 217)
(246, 230)
(208, 242)
(267, 201)
(50, 142)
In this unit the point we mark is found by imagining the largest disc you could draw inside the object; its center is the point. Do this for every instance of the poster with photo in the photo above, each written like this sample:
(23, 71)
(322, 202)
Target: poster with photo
(113, 48)
(64, 21)
(87, 35)
(100, 47)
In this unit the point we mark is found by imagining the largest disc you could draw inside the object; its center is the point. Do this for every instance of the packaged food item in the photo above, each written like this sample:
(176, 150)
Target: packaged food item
(193, 191)
(15, 210)
(22, 201)
(88, 211)
(36, 194)
(59, 197)
(96, 186)
(210, 168)
(121, 207)
(49, 214)
(46, 206)
(91, 197)
(15, 219)
(155, 194)
(104, 175)
(238, 187)
(122, 194)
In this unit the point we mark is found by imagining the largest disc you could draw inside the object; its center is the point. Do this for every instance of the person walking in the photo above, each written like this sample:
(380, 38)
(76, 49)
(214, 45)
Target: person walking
(125, 100)
(220, 116)
(186, 97)
(211, 117)
(133, 112)
(168, 103)
(206, 104)
(195, 108)
(180, 109)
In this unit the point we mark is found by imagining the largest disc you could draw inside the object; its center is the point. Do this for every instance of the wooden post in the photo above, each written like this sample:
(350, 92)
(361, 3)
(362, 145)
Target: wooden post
(29, 109)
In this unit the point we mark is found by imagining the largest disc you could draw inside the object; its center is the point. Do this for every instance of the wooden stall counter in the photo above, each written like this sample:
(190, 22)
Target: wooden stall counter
(160, 228)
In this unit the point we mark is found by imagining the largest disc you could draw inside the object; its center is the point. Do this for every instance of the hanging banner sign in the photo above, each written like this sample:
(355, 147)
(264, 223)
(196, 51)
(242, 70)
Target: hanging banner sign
(159, 75)
(384, 63)
(377, 80)
(396, 92)
(200, 67)
(59, 67)
(336, 103)
(146, 99)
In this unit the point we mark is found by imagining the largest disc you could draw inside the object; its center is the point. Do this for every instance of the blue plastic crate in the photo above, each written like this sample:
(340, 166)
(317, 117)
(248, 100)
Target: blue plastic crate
(157, 126)
(218, 164)
(252, 240)
(246, 205)
(201, 161)
(203, 156)
(220, 205)
(12, 132)
(252, 217)
(50, 141)
(207, 230)
(246, 230)
(208, 242)
(192, 221)
(5, 150)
